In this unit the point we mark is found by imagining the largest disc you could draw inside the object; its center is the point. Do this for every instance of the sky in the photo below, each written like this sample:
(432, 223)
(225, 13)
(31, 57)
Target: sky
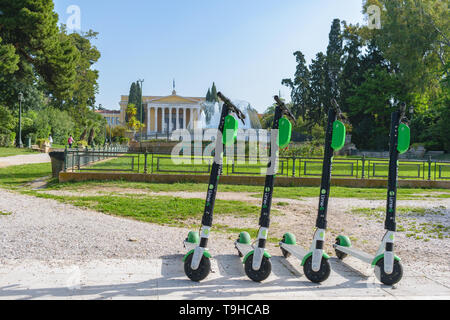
(245, 46)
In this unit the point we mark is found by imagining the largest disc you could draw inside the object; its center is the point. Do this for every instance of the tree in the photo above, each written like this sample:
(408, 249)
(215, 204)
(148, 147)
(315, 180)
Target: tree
(371, 106)
(317, 113)
(333, 64)
(214, 97)
(8, 59)
(414, 36)
(44, 52)
(133, 123)
(208, 95)
(86, 86)
(300, 87)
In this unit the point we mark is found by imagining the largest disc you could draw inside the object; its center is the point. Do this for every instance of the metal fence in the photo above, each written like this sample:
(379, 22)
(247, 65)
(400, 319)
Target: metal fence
(81, 158)
(118, 159)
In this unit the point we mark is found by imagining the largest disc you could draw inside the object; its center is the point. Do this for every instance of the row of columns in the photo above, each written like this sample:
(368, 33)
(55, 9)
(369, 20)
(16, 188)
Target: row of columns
(170, 109)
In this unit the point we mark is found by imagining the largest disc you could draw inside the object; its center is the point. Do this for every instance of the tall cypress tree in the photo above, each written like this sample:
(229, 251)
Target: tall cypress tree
(214, 97)
(132, 97)
(300, 87)
(334, 62)
(319, 95)
(208, 95)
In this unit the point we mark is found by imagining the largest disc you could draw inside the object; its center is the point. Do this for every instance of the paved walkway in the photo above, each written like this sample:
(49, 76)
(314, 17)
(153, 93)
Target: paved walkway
(164, 279)
(24, 159)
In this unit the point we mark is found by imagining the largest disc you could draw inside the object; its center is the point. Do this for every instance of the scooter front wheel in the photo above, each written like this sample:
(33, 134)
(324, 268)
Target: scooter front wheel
(321, 275)
(389, 279)
(201, 273)
(258, 275)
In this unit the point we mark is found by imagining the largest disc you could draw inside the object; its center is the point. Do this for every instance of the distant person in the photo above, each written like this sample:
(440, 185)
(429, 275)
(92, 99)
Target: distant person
(50, 140)
(70, 141)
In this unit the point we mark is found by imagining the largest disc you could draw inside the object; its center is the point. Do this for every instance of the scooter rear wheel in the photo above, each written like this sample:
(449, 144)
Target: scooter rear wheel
(285, 253)
(260, 275)
(201, 273)
(341, 255)
(321, 275)
(389, 279)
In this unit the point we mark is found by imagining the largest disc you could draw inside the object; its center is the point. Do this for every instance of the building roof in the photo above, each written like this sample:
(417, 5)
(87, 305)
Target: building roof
(108, 111)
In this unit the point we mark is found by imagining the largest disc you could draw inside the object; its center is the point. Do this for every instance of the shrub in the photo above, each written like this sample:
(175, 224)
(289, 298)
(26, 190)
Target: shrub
(7, 139)
(82, 144)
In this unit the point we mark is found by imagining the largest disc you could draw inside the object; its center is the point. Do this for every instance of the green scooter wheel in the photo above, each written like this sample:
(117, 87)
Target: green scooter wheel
(201, 273)
(260, 275)
(321, 275)
(389, 279)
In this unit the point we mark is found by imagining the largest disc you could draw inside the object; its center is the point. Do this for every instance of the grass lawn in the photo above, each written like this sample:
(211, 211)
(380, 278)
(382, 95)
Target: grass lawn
(8, 152)
(279, 192)
(16, 176)
(342, 167)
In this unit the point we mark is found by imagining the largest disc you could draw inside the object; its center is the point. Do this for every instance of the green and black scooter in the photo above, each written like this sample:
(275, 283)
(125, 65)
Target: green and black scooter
(388, 268)
(315, 262)
(256, 259)
(197, 263)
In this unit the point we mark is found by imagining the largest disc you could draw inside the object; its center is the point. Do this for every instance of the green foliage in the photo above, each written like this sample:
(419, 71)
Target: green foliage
(369, 72)
(53, 69)
(133, 123)
(134, 98)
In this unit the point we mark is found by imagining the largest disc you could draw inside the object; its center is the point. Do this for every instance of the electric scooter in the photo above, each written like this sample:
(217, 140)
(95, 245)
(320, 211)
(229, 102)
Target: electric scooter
(316, 266)
(197, 263)
(388, 268)
(256, 259)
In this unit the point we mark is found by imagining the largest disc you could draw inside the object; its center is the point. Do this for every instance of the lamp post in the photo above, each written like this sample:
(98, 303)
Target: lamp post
(19, 142)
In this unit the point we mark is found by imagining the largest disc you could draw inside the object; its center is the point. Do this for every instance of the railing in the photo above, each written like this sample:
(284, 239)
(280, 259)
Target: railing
(81, 158)
(118, 159)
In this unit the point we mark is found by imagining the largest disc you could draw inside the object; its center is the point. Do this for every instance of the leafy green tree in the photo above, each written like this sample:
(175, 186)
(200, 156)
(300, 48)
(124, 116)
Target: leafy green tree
(8, 59)
(43, 50)
(86, 86)
(371, 106)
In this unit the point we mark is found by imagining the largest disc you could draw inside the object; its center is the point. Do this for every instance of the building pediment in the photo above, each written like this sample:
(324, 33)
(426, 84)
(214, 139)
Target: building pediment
(174, 99)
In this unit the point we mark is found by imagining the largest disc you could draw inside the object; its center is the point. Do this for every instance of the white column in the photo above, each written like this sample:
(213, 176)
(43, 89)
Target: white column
(170, 119)
(156, 119)
(178, 119)
(149, 123)
(184, 118)
(164, 120)
(194, 118)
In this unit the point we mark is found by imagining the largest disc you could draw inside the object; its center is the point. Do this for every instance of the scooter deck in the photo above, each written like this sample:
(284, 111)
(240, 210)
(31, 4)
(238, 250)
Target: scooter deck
(295, 250)
(361, 255)
(244, 249)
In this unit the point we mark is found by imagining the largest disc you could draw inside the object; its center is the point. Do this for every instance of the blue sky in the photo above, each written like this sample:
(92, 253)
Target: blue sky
(245, 46)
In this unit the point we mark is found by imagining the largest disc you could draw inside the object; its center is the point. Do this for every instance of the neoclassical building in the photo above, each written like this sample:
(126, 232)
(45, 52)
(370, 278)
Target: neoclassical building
(165, 114)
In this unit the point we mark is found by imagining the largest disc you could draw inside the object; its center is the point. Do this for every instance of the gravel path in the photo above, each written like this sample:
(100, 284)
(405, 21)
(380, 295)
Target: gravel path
(24, 159)
(48, 230)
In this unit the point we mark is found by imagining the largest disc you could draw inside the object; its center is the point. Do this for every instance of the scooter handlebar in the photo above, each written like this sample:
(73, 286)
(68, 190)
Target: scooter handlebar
(336, 108)
(231, 106)
(286, 111)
